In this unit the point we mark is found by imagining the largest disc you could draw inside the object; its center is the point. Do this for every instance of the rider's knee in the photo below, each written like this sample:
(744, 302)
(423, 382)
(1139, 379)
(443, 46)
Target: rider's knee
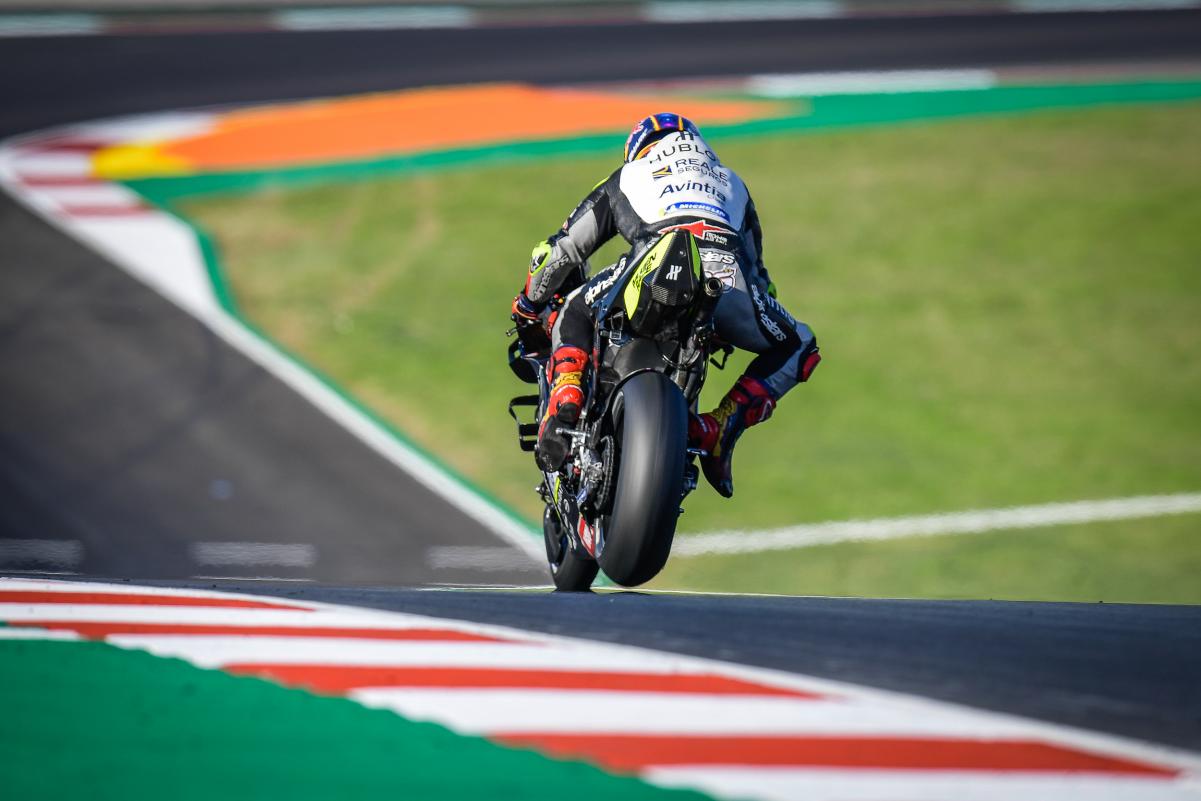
(808, 355)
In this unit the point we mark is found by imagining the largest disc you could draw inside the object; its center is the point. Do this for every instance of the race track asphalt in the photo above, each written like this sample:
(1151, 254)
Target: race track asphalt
(126, 425)
(46, 80)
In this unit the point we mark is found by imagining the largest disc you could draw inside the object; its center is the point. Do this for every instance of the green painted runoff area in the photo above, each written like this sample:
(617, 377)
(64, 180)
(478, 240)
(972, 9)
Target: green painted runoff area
(89, 720)
(1008, 308)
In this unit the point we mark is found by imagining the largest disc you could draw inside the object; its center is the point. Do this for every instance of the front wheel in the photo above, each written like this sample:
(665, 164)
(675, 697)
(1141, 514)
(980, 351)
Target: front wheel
(653, 438)
(571, 570)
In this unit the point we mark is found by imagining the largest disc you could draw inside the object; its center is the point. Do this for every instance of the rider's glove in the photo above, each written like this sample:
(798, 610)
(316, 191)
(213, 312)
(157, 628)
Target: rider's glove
(525, 313)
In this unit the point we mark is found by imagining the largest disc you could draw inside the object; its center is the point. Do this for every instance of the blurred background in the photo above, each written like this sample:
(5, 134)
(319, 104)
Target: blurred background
(988, 212)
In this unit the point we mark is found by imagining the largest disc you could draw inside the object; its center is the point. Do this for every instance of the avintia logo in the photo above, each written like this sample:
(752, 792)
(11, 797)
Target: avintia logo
(694, 186)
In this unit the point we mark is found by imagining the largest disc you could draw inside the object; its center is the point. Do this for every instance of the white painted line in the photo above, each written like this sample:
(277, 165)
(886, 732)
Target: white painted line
(141, 128)
(791, 784)
(1047, 6)
(149, 247)
(513, 711)
(377, 18)
(479, 557)
(51, 554)
(21, 25)
(815, 84)
(973, 522)
(739, 10)
(256, 554)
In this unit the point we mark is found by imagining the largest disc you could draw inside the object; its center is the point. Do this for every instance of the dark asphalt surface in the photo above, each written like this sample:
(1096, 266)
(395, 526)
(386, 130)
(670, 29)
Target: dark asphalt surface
(45, 81)
(1130, 670)
(118, 412)
(127, 425)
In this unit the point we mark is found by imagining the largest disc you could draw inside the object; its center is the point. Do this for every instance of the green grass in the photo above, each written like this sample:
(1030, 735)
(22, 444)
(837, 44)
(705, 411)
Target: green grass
(1009, 310)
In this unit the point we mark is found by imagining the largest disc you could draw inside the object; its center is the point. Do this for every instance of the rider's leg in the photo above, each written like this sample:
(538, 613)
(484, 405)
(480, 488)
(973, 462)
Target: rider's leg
(566, 399)
(748, 318)
(571, 337)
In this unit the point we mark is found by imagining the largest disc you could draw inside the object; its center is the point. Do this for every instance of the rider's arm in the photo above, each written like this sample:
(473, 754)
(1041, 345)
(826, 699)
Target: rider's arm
(586, 229)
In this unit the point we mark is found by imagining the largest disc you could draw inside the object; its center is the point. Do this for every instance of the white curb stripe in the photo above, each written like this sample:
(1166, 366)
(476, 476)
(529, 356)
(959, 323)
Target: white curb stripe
(347, 19)
(973, 522)
(520, 711)
(50, 164)
(7, 633)
(741, 10)
(787, 784)
(50, 24)
(1046, 6)
(205, 616)
(210, 651)
(815, 84)
(98, 194)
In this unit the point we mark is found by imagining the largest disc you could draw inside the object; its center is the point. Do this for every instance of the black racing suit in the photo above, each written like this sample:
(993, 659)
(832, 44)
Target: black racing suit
(679, 184)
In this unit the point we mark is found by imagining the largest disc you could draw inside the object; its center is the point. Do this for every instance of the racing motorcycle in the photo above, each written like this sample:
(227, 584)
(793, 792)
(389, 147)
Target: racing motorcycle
(614, 503)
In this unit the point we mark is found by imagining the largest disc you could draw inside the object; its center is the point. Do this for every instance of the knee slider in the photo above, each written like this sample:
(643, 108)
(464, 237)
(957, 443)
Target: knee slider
(809, 364)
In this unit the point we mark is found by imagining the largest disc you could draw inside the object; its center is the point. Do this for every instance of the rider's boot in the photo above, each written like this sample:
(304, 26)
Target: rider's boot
(748, 403)
(566, 399)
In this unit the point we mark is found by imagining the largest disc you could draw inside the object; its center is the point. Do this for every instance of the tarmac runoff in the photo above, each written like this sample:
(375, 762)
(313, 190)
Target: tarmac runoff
(663, 720)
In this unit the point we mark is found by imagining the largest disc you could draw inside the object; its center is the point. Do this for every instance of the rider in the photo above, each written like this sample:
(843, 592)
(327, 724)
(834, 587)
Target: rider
(671, 180)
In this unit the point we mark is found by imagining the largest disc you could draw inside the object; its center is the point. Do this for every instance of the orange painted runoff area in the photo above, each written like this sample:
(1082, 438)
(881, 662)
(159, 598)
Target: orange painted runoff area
(419, 120)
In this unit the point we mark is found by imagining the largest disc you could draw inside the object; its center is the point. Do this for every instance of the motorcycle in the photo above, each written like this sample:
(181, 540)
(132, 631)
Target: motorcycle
(614, 504)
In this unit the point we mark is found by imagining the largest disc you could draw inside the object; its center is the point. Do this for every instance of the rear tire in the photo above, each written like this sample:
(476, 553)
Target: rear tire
(570, 570)
(650, 482)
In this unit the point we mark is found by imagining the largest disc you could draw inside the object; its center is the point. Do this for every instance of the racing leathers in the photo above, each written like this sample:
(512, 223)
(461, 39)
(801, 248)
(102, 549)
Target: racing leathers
(679, 184)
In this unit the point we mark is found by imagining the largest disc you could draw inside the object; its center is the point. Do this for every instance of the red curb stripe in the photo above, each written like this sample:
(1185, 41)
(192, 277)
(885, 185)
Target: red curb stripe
(98, 631)
(636, 752)
(104, 211)
(340, 679)
(131, 599)
(65, 144)
(39, 180)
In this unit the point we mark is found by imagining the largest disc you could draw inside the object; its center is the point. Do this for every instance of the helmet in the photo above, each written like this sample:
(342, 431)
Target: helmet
(652, 129)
